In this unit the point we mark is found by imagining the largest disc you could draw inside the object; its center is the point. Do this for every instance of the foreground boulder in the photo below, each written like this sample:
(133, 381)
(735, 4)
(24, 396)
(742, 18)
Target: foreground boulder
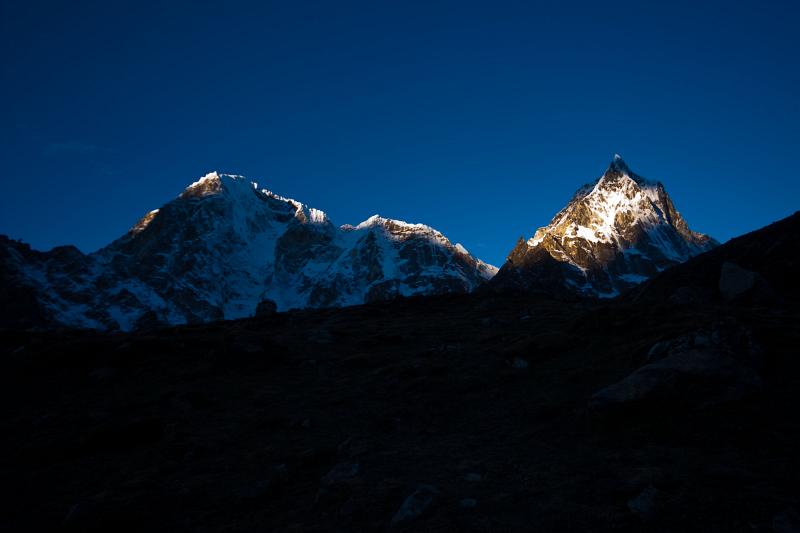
(727, 336)
(737, 283)
(415, 504)
(701, 369)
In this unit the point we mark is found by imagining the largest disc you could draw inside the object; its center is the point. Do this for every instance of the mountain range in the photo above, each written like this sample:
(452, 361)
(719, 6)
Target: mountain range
(224, 246)
(536, 398)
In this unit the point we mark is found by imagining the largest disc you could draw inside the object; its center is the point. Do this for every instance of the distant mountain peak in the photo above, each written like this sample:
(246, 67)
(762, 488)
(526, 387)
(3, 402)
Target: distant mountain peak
(612, 235)
(224, 245)
(217, 182)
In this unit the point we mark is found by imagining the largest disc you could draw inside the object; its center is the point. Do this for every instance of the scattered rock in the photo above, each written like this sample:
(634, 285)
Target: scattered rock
(73, 512)
(298, 422)
(18, 350)
(519, 363)
(705, 367)
(415, 504)
(351, 447)
(663, 349)
(447, 348)
(726, 335)
(734, 339)
(644, 504)
(266, 307)
(658, 351)
(787, 521)
(694, 378)
(337, 484)
(468, 503)
(341, 473)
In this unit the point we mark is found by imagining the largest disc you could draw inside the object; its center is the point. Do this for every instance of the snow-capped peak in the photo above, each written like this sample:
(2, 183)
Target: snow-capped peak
(240, 190)
(400, 231)
(209, 177)
(618, 200)
(377, 220)
(374, 220)
(216, 182)
(206, 185)
(606, 223)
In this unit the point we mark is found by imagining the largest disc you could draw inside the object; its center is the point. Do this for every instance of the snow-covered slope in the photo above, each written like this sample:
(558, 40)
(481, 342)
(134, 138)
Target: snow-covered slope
(613, 234)
(223, 246)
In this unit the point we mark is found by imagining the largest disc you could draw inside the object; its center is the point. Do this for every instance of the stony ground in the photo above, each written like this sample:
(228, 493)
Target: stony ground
(455, 413)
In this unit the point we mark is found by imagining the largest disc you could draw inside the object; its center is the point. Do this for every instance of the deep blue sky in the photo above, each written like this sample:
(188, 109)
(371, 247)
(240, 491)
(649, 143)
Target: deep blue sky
(480, 119)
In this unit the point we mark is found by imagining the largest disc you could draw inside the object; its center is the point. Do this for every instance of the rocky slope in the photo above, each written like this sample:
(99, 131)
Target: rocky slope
(612, 235)
(475, 412)
(758, 268)
(219, 249)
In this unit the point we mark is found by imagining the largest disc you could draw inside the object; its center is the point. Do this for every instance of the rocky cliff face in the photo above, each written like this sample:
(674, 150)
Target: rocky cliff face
(613, 234)
(219, 249)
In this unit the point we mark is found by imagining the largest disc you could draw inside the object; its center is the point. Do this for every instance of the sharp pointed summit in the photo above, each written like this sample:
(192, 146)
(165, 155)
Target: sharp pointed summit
(618, 165)
(613, 234)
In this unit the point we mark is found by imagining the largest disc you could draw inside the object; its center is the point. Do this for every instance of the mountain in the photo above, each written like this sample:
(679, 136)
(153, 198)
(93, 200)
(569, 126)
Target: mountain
(217, 250)
(612, 235)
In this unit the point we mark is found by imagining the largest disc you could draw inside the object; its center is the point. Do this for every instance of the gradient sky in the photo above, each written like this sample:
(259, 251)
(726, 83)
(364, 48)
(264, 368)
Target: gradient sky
(479, 119)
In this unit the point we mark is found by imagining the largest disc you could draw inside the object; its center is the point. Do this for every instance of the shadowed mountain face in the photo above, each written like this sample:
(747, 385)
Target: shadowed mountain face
(219, 249)
(613, 234)
(760, 267)
(670, 409)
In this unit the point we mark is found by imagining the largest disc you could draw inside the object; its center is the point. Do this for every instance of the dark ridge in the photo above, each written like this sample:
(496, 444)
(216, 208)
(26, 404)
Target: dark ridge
(771, 251)
(492, 411)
